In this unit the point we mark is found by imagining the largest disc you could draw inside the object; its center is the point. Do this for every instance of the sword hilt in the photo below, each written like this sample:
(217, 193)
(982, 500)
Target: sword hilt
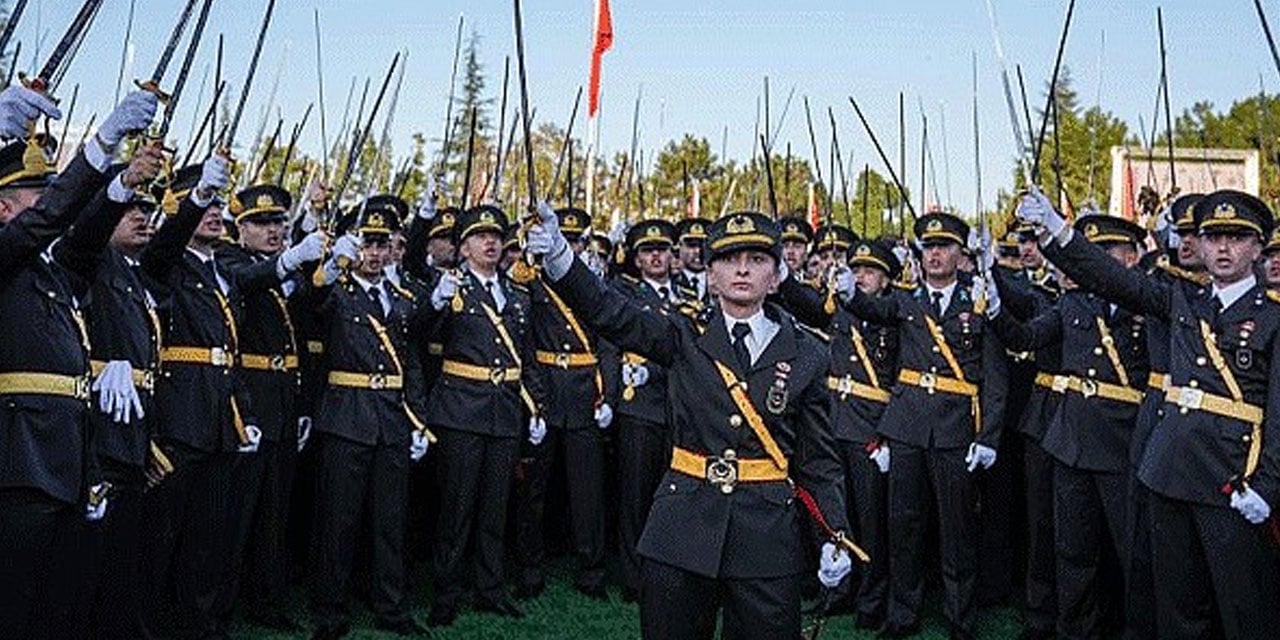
(36, 84)
(153, 87)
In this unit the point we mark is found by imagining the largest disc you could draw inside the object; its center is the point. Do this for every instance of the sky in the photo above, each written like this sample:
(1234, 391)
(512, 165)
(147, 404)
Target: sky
(700, 65)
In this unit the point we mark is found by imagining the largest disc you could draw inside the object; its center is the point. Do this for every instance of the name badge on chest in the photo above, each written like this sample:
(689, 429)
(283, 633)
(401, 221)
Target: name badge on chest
(776, 399)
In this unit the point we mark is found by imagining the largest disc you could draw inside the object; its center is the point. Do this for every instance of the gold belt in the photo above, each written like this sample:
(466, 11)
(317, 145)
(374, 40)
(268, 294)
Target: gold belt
(565, 360)
(846, 385)
(144, 379)
(1188, 399)
(726, 470)
(45, 384)
(1089, 388)
(372, 381)
(216, 356)
(258, 362)
(1158, 381)
(933, 382)
(496, 375)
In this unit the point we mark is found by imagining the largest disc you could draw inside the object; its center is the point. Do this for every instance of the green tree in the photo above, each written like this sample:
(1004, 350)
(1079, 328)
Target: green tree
(1247, 124)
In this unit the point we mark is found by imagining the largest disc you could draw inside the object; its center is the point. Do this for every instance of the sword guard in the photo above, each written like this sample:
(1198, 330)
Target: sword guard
(36, 84)
(152, 87)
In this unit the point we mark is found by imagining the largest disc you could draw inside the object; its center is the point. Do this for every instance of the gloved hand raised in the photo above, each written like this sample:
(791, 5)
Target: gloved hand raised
(19, 107)
(132, 115)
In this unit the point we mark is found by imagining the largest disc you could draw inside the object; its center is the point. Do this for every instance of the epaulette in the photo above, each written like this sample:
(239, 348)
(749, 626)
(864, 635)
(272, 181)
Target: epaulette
(814, 283)
(821, 335)
(905, 286)
(628, 278)
(405, 293)
(1273, 295)
(1168, 267)
(519, 286)
(521, 273)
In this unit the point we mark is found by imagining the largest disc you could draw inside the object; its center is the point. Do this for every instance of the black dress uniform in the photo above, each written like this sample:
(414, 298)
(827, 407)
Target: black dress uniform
(1216, 435)
(202, 414)
(44, 386)
(1101, 382)
(691, 284)
(123, 325)
(268, 364)
(864, 364)
(479, 406)
(935, 414)
(565, 354)
(641, 417)
(725, 528)
(363, 429)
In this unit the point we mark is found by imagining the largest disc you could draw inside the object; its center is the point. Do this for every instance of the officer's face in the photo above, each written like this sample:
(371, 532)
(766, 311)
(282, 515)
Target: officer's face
(15, 201)
(483, 250)
(1229, 257)
(743, 278)
(211, 228)
(397, 248)
(942, 260)
(1273, 270)
(1125, 254)
(442, 251)
(1189, 250)
(793, 253)
(870, 280)
(654, 262)
(826, 259)
(1029, 254)
(262, 236)
(691, 256)
(373, 256)
(578, 244)
(510, 255)
(133, 232)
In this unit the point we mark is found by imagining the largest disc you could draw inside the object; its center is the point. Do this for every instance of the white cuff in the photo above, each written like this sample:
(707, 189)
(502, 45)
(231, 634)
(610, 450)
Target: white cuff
(116, 191)
(203, 203)
(556, 266)
(281, 272)
(98, 157)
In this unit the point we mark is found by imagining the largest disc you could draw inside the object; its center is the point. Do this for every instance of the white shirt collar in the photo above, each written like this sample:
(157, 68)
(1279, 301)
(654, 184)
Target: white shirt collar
(658, 286)
(365, 284)
(946, 292)
(1232, 292)
(204, 258)
(762, 332)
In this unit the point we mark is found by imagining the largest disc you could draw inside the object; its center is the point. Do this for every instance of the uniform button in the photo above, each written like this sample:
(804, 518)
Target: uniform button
(735, 421)
(565, 346)
(1093, 373)
(853, 358)
(1200, 362)
(1193, 384)
(936, 349)
(497, 341)
(933, 369)
(671, 487)
(1097, 351)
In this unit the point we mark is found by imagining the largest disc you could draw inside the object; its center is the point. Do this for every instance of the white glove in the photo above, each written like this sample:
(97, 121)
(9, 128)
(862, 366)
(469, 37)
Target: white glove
(19, 107)
(304, 431)
(254, 435)
(993, 295)
(1035, 209)
(844, 283)
(617, 233)
(834, 564)
(215, 175)
(537, 430)
(348, 246)
(980, 455)
(95, 508)
(310, 248)
(117, 397)
(881, 457)
(634, 375)
(445, 289)
(418, 446)
(1251, 505)
(427, 209)
(604, 415)
(132, 115)
(986, 257)
(544, 238)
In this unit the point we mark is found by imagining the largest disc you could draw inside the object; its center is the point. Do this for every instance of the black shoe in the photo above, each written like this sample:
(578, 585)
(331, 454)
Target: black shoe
(528, 591)
(594, 591)
(442, 616)
(407, 627)
(501, 606)
(892, 630)
(1035, 633)
(274, 620)
(331, 632)
(868, 622)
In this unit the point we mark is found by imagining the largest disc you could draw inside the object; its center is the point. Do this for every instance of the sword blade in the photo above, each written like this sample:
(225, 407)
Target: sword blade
(12, 24)
(174, 38)
(184, 71)
(69, 41)
(248, 80)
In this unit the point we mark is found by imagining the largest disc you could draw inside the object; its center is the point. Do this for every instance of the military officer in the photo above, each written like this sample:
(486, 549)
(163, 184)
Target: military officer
(691, 240)
(750, 418)
(1210, 464)
(1270, 262)
(954, 371)
(796, 236)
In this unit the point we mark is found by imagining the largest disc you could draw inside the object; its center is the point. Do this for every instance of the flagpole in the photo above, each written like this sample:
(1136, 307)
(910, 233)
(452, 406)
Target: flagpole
(593, 132)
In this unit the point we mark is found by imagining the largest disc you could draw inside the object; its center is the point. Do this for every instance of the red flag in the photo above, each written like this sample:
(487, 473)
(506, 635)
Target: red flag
(603, 42)
(815, 212)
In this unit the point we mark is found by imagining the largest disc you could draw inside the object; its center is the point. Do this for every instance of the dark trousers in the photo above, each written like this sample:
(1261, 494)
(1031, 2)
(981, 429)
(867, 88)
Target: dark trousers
(1139, 601)
(1210, 560)
(1089, 520)
(31, 526)
(266, 567)
(476, 473)
(867, 502)
(187, 535)
(1000, 491)
(1041, 609)
(582, 451)
(109, 565)
(247, 470)
(359, 488)
(644, 453)
(679, 605)
(913, 475)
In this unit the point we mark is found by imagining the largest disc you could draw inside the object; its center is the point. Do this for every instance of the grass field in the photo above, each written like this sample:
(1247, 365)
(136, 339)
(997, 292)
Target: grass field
(561, 612)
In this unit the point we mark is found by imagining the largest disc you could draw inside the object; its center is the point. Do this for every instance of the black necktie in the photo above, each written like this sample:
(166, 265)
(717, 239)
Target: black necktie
(1215, 304)
(665, 294)
(488, 288)
(375, 294)
(935, 303)
(740, 332)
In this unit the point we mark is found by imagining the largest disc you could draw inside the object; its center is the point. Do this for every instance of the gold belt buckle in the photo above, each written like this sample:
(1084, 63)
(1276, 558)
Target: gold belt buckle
(1060, 384)
(218, 357)
(377, 381)
(722, 471)
(1189, 398)
(845, 386)
(928, 382)
(562, 360)
(277, 363)
(81, 388)
(1088, 388)
(497, 375)
(149, 380)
